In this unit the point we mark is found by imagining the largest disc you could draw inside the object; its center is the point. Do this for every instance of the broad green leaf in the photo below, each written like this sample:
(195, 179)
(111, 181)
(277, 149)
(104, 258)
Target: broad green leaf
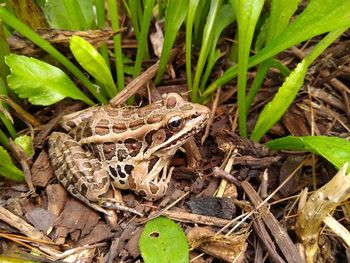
(8, 169)
(320, 16)
(25, 142)
(92, 61)
(335, 150)
(163, 241)
(10, 20)
(247, 12)
(174, 16)
(286, 94)
(42, 83)
(70, 14)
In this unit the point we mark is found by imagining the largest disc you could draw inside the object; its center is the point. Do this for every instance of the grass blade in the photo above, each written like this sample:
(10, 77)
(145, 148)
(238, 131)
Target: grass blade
(118, 55)
(189, 32)
(286, 94)
(174, 16)
(247, 13)
(142, 43)
(320, 16)
(206, 42)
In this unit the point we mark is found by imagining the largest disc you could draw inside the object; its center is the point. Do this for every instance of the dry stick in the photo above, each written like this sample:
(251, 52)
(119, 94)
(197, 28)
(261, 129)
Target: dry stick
(196, 218)
(160, 212)
(228, 168)
(263, 234)
(212, 115)
(134, 85)
(23, 159)
(312, 125)
(270, 196)
(28, 230)
(282, 239)
(24, 115)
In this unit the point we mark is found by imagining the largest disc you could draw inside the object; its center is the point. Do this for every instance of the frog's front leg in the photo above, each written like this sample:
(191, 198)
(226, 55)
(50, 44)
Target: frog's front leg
(146, 181)
(80, 172)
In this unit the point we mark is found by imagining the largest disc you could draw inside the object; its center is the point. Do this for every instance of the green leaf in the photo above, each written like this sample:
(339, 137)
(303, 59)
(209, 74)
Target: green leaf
(205, 47)
(8, 169)
(174, 16)
(248, 13)
(320, 16)
(70, 14)
(163, 241)
(25, 142)
(335, 150)
(92, 61)
(10, 20)
(42, 83)
(286, 94)
(142, 41)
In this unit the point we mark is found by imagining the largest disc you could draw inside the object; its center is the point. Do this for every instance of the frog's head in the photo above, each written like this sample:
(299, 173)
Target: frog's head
(173, 124)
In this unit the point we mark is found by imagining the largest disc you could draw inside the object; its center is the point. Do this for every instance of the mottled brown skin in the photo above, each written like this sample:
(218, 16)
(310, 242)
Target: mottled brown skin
(129, 147)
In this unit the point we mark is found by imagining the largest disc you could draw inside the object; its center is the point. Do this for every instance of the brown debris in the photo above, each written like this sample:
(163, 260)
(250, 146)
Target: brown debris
(76, 219)
(230, 248)
(41, 170)
(281, 237)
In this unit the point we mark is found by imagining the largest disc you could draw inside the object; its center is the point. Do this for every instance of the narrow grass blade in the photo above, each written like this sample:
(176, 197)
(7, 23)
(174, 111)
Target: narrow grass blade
(247, 13)
(286, 94)
(192, 7)
(118, 55)
(100, 14)
(320, 16)
(224, 18)
(174, 16)
(142, 43)
(280, 14)
(206, 42)
(335, 150)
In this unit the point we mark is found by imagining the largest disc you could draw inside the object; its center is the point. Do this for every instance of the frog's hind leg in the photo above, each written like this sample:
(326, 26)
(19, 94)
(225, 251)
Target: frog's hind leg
(80, 172)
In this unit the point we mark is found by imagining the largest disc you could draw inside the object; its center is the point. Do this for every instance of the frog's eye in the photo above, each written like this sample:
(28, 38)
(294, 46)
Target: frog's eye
(175, 123)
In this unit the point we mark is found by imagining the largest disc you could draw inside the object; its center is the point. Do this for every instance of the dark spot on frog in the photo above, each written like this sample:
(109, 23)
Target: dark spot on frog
(70, 124)
(128, 168)
(101, 127)
(83, 190)
(109, 150)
